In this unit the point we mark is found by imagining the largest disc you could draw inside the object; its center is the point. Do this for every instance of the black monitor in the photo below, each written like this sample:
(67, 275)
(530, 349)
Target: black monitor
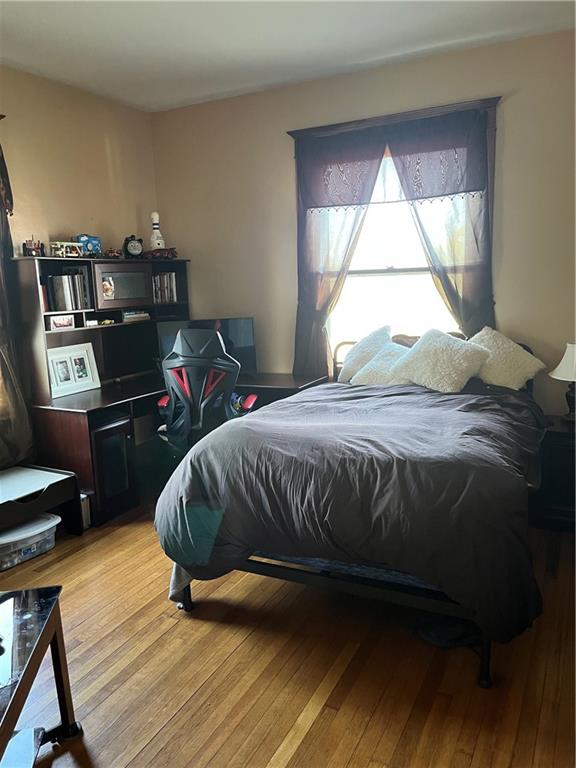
(237, 333)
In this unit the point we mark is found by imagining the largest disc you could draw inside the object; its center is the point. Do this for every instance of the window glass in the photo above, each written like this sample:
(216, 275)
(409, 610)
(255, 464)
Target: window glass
(407, 301)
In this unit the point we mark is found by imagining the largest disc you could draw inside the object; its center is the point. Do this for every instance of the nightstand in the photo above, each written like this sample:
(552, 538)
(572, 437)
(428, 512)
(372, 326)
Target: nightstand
(275, 386)
(554, 502)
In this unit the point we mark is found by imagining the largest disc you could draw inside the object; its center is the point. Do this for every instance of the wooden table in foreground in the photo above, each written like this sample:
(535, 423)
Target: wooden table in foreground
(29, 624)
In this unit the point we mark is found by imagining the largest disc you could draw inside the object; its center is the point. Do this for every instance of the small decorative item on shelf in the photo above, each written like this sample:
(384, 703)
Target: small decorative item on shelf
(566, 371)
(61, 322)
(113, 253)
(108, 288)
(63, 250)
(135, 316)
(156, 239)
(72, 369)
(133, 247)
(161, 253)
(91, 243)
(33, 248)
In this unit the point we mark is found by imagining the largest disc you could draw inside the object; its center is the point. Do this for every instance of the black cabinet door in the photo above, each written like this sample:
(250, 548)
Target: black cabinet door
(112, 457)
(555, 500)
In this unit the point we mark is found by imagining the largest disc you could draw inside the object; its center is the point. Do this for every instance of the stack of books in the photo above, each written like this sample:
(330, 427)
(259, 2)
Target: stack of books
(134, 315)
(68, 291)
(164, 285)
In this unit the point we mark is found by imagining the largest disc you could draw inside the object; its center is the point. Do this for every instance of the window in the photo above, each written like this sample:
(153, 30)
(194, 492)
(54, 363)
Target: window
(389, 281)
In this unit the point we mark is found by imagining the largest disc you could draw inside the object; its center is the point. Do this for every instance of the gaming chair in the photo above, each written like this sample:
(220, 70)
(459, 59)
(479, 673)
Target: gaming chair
(200, 377)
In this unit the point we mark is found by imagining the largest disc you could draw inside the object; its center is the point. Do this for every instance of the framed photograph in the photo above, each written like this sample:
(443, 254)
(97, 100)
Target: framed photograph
(61, 322)
(72, 369)
(123, 285)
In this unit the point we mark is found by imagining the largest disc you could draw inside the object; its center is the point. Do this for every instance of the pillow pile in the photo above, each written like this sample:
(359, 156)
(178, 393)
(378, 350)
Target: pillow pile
(508, 365)
(441, 362)
(362, 352)
(378, 369)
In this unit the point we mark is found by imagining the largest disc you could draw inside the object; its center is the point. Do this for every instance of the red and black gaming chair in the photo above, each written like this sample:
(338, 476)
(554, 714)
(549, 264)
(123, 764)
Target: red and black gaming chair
(200, 377)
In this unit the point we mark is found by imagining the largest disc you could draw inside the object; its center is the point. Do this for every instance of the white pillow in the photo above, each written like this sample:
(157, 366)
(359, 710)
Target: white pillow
(508, 365)
(377, 370)
(441, 362)
(363, 351)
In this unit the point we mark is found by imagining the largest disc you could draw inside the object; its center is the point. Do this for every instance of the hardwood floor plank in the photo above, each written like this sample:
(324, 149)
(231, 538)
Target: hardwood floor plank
(405, 748)
(312, 709)
(390, 716)
(335, 735)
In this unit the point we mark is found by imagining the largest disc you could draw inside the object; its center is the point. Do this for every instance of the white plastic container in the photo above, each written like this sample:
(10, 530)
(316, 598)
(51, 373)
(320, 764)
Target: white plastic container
(27, 540)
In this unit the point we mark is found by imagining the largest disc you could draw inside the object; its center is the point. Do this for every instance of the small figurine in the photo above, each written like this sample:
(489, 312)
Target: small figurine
(113, 253)
(161, 253)
(156, 239)
(133, 247)
(33, 248)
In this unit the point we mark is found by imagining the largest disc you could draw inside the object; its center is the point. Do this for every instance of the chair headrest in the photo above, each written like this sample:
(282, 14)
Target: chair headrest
(198, 342)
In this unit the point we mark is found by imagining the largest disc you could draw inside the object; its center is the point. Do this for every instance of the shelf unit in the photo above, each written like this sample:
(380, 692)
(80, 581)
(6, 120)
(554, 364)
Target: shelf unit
(93, 433)
(133, 347)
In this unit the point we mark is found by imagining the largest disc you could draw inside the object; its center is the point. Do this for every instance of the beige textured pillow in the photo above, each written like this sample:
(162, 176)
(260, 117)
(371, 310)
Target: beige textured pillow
(363, 351)
(441, 362)
(508, 365)
(377, 370)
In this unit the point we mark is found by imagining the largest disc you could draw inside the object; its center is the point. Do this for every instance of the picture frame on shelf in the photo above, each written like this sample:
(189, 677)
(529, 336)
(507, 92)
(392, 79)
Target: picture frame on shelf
(72, 369)
(61, 322)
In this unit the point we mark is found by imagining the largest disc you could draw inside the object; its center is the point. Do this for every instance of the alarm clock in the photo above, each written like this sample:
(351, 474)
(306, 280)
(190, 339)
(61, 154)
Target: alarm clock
(133, 247)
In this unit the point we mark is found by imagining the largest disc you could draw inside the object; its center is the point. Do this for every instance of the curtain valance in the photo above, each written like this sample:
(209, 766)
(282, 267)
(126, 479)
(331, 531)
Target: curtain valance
(435, 156)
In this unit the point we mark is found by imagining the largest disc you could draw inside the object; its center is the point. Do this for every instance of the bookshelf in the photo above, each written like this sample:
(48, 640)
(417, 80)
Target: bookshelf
(113, 303)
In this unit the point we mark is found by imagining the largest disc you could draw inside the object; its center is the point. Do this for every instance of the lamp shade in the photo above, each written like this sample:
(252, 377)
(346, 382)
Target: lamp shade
(566, 368)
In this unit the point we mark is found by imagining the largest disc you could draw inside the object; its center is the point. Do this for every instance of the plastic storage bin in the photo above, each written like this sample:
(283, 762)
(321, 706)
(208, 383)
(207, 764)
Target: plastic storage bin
(27, 540)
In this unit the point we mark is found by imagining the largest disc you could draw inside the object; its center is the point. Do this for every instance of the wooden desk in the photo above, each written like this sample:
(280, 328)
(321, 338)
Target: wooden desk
(109, 396)
(275, 386)
(91, 434)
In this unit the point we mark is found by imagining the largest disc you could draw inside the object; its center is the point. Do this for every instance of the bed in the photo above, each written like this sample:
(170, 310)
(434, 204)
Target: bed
(396, 492)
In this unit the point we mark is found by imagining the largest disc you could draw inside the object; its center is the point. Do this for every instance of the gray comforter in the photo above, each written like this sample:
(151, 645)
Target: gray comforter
(430, 484)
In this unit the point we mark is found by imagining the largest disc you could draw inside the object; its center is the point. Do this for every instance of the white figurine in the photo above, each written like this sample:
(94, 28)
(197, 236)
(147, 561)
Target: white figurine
(156, 239)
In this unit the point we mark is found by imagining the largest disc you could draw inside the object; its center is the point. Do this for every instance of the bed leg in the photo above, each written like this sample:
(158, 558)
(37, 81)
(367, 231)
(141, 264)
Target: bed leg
(484, 678)
(186, 604)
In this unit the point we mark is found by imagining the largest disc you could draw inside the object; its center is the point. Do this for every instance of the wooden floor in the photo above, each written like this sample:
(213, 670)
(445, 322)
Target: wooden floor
(272, 674)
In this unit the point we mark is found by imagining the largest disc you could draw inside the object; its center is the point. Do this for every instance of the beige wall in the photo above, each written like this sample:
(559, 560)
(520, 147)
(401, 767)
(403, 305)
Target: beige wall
(77, 162)
(226, 187)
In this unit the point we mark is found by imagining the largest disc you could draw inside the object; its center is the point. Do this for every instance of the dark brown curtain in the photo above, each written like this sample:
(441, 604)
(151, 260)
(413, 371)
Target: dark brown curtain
(445, 165)
(15, 431)
(336, 176)
(444, 157)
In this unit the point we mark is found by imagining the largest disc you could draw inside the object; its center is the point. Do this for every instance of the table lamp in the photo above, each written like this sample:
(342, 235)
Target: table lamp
(566, 371)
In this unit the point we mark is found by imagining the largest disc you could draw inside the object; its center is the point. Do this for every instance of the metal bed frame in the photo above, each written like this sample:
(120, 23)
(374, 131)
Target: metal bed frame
(428, 599)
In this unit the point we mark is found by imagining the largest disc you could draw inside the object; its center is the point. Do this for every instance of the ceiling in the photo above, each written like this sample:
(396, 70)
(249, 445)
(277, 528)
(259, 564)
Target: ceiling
(159, 55)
